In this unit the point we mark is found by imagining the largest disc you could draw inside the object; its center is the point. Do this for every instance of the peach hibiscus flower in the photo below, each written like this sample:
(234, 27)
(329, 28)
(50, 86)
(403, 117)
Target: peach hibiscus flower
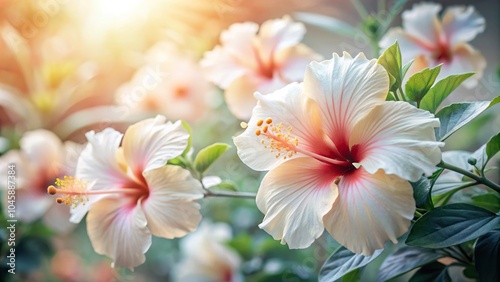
(247, 61)
(339, 156)
(207, 258)
(41, 158)
(171, 83)
(131, 193)
(432, 41)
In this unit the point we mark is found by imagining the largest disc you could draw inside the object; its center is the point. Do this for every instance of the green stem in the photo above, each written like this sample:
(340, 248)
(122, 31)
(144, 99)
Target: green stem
(479, 179)
(246, 195)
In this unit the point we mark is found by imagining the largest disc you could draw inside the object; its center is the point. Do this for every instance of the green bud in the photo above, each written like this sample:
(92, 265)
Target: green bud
(472, 161)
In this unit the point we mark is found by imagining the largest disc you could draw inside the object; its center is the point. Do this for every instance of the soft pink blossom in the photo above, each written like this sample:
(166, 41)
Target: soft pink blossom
(170, 83)
(431, 40)
(206, 257)
(339, 156)
(41, 158)
(253, 59)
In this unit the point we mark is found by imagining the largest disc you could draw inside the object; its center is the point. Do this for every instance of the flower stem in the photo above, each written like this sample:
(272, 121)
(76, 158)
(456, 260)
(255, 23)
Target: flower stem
(479, 179)
(209, 193)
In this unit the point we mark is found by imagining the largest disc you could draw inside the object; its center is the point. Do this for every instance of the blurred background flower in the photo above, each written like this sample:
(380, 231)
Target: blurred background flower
(69, 66)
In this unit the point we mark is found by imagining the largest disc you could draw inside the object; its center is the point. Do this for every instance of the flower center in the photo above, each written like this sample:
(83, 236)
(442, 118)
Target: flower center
(443, 55)
(74, 191)
(280, 140)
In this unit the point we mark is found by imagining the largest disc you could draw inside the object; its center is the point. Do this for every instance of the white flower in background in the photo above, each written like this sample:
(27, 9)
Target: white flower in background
(130, 192)
(247, 61)
(206, 258)
(171, 83)
(41, 158)
(431, 40)
(339, 156)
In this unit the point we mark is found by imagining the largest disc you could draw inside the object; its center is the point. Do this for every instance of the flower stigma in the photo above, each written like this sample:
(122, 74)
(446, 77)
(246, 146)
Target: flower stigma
(74, 191)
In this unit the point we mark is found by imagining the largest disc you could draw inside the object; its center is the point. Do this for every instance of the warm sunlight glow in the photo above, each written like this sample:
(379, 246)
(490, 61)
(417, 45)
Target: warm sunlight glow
(118, 12)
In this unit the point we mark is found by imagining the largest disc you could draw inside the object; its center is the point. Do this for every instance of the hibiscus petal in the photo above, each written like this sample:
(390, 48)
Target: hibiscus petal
(238, 41)
(410, 47)
(370, 210)
(398, 138)
(43, 148)
(278, 34)
(465, 59)
(294, 60)
(221, 68)
(346, 89)
(462, 24)
(294, 198)
(286, 106)
(97, 163)
(149, 144)
(117, 229)
(422, 23)
(171, 208)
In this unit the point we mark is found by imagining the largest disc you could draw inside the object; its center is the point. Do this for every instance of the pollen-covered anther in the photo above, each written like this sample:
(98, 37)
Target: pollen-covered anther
(278, 138)
(72, 191)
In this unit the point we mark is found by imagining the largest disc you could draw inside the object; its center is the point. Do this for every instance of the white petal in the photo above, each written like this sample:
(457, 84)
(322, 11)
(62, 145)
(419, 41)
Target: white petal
(221, 68)
(346, 89)
(370, 210)
(238, 41)
(462, 24)
(465, 59)
(294, 198)
(422, 23)
(290, 108)
(278, 34)
(171, 208)
(117, 229)
(149, 144)
(398, 138)
(97, 164)
(31, 204)
(57, 218)
(294, 60)
(239, 96)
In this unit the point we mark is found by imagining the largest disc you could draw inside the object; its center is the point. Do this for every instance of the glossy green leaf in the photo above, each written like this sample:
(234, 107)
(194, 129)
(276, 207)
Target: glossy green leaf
(328, 23)
(208, 155)
(441, 90)
(342, 262)
(391, 61)
(406, 67)
(490, 202)
(493, 146)
(352, 276)
(451, 225)
(422, 192)
(487, 255)
(420, 83)
(404, 260)
(455, 116)
(436, 272)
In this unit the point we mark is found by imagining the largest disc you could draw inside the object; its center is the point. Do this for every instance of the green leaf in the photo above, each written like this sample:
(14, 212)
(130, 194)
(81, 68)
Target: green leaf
(490, 202)
(225, 185)
(441, 90)
(391, 61)
(493, 146)
(328, 23)
(190, 139)
(404, 260)
(208, 155)
(487, 255)
(451, 225)
(455, 116)
(406, 67)
(352, 276)
(342, 262)
(421, 193)
(420, 83)
(434, 271)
